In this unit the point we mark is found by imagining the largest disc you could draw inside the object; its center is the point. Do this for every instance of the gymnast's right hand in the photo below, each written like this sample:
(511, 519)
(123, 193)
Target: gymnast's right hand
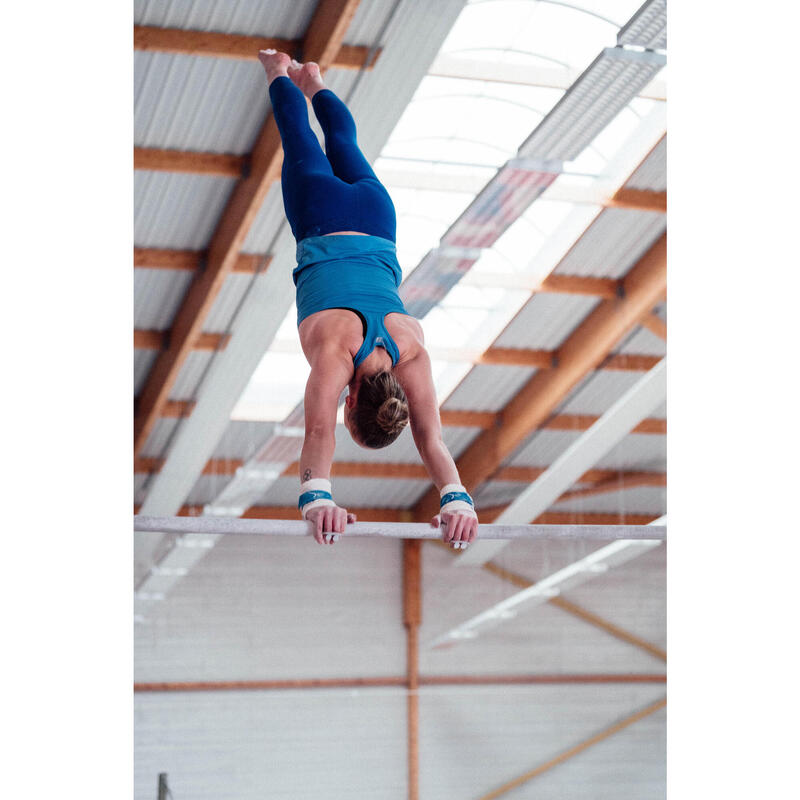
(329, 522)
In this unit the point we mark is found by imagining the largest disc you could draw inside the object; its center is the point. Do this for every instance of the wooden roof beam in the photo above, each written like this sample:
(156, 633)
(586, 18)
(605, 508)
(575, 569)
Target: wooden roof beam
(489, 514)
(157, 340)
(623, 481)
(575, 750)
(582, 352)
(192, 260)
(479, 419)
(177, 409)
(581, 422)
(654, 324)
(402, 680)
(221, 165)
(602, 480)
(322, 42)
(237, 47)
(639, 200)
(606, 288)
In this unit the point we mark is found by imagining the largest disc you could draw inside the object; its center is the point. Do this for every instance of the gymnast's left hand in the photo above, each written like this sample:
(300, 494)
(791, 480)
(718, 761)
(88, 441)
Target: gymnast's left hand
(459, 528)
(329, 522)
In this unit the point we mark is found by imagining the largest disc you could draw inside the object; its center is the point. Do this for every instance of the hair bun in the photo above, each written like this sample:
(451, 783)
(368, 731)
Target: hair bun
(393, 415)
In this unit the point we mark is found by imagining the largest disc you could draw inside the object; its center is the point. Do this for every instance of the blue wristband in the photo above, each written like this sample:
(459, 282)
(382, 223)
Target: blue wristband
(309, 497)
(450, 496)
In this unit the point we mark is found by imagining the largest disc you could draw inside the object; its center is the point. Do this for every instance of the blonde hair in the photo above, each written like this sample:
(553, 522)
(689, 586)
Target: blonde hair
(381, 410)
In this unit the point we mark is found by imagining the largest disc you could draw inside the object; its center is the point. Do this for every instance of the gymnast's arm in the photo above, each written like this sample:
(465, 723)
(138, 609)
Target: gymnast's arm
(331, 370)
(426, 427)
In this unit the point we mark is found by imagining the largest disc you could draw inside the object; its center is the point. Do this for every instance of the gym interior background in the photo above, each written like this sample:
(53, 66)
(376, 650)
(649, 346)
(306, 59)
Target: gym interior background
(523, 143)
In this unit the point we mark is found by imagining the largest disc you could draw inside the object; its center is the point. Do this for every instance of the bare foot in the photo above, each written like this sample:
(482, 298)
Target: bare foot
(306, 77)
(274, 63)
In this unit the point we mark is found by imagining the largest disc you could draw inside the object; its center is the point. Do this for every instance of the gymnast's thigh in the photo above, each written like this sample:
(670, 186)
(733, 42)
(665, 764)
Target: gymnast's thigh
(375, 204)
(313, 199)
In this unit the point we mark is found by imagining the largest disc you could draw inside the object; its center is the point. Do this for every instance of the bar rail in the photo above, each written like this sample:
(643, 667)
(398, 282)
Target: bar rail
(390, 530)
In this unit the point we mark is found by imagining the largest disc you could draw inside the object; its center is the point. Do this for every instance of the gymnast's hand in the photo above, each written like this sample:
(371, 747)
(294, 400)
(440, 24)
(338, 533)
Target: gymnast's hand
(459, 527)
(329, 522)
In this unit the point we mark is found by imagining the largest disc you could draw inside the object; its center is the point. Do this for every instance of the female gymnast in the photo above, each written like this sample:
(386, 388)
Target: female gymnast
(353, 327)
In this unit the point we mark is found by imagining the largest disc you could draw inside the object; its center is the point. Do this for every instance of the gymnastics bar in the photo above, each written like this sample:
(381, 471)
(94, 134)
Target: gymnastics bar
(391, 530)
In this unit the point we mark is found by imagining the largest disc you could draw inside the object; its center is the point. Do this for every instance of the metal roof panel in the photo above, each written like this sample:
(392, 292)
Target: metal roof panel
(613, 243)
(161, 435)
(242, 438)
(638, 500)
(641, 341)
(546, 320)
(280, 18)
(143, 361)
(157, 296)
(369, 492)
(598, 392)
(177, 211)
(227, 302)
(652, 174)
(488, 387)
(190, 375)
(196, 103)
(645, 451)
(542, 448)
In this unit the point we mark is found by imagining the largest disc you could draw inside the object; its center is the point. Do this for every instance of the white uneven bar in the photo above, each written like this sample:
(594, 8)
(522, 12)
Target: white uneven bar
(390, 530)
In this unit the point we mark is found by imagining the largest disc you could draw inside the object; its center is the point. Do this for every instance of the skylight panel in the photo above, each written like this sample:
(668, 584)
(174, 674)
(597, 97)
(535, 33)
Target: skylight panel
(423, 216)
(533, 244)
(596, 157)
(482, 312)
(608, 142)
(468, 121)
(275, 387)
(527, 31)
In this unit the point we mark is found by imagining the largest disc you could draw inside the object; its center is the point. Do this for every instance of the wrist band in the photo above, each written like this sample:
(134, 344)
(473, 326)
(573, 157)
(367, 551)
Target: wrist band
(314, 493)
(454, 497)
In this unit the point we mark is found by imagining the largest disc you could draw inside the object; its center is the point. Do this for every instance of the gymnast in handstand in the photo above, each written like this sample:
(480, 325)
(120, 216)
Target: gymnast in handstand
(353, 327)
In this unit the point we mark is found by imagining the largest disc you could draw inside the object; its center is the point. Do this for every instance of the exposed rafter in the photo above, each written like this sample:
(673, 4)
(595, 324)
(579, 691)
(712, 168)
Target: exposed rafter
(601, 481)
(655, 325)
(221, 165)
(412, 619)
(639, 199)
(575, 750)
(489, 514)
(576, 573)
(626, 480)
(230, 165)
(322, 42)
(192, 260)
(371, 469)
(178, 409)
(581, 353)
(574, 609)
(580, 422)
(566, 679)
(240, 48)
(156, 340)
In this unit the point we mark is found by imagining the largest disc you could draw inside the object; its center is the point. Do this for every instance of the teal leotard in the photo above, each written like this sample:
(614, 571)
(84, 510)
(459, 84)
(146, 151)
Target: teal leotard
(359, 273)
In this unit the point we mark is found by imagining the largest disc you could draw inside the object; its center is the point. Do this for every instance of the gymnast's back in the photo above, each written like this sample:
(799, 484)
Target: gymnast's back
(347, 298)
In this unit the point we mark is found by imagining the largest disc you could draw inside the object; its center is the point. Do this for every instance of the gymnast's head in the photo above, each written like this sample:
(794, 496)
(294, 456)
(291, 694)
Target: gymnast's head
(376, 413)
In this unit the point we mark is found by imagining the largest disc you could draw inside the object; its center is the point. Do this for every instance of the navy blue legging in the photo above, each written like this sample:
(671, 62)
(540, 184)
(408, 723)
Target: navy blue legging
(332, 191)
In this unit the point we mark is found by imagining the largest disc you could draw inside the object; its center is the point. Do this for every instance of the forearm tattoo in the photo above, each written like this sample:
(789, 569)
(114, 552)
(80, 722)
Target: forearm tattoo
(307, 475)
